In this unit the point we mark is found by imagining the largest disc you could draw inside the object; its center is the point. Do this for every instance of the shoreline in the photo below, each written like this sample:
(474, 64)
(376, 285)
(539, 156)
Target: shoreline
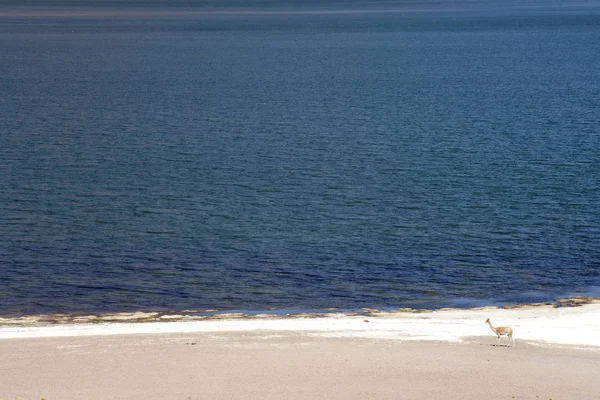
(568, 322)
(438, 355)
(274, 313)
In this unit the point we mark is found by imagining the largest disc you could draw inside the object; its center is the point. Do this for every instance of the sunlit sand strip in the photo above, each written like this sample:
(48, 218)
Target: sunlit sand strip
(575, 326)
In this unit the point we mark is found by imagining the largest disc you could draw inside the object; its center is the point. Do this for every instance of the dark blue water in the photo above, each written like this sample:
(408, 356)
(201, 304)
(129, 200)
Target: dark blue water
(322, 155)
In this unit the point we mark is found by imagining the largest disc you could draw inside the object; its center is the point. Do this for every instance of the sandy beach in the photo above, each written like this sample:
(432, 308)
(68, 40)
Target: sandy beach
(376, 356)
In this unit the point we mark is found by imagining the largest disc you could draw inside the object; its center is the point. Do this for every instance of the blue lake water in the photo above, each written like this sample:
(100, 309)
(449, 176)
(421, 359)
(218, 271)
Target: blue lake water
(297, 155)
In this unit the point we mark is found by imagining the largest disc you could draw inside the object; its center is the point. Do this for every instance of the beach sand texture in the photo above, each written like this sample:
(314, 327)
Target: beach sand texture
(339, 357)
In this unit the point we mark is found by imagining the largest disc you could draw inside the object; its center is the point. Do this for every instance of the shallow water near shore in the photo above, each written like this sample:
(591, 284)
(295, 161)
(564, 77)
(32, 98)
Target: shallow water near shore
(166, 158)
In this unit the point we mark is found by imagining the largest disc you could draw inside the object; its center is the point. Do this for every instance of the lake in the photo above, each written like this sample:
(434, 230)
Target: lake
(298, 156)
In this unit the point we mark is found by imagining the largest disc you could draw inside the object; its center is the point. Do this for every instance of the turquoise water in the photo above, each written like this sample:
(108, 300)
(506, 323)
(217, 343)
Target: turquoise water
(297, 155)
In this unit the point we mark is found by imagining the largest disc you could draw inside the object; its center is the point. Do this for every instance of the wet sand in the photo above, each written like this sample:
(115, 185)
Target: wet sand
(291, 365)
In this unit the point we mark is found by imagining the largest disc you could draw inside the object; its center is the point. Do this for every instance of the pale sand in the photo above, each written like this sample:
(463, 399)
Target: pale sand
(439, 355)
(290, 365)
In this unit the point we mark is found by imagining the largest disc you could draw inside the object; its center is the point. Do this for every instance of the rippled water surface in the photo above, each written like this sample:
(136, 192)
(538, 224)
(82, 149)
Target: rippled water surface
(304, 158)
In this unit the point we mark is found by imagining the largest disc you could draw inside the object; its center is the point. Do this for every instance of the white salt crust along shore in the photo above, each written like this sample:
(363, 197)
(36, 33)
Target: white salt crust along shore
(545, 324)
